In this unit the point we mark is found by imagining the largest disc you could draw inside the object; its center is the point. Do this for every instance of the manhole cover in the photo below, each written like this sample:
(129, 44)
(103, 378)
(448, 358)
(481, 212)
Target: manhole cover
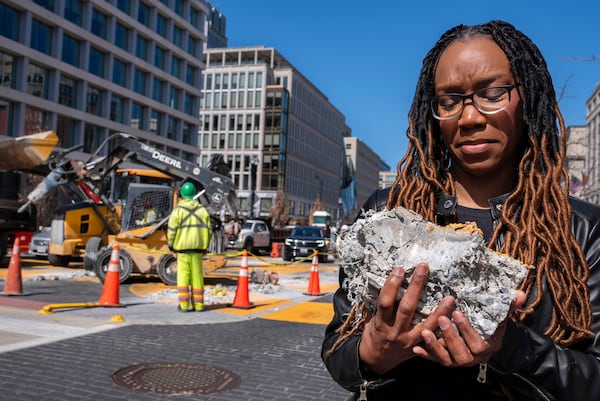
(171, 378)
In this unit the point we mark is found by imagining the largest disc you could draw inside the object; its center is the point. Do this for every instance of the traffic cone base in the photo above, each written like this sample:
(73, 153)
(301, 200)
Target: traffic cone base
(110, 291)
(14, 281)
(314, 287)
(242, 298)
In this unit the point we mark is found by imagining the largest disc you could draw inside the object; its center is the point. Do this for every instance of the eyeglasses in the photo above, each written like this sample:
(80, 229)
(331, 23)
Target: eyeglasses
(490, 100)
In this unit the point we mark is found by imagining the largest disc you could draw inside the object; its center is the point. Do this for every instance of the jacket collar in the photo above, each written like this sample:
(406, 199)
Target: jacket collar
(446, 205)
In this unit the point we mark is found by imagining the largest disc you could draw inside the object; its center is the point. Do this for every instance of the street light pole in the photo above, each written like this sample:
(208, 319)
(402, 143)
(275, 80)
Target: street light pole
(253, 167)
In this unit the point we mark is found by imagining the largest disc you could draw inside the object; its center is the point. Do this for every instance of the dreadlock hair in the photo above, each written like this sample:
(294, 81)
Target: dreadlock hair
(535, 224)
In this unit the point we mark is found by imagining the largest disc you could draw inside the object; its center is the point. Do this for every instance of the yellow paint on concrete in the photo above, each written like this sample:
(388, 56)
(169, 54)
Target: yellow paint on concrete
(306, 312)
(259, 304)
(324, 287)
(145, 289)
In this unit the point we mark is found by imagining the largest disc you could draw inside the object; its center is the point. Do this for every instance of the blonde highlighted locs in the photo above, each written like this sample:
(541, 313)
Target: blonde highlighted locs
(535, 224)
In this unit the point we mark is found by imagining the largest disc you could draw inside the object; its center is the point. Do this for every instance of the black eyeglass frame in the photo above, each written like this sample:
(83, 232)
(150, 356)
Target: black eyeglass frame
(471, 96)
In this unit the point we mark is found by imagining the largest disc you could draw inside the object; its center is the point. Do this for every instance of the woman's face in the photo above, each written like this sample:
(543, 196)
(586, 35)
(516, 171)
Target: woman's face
(481, 145)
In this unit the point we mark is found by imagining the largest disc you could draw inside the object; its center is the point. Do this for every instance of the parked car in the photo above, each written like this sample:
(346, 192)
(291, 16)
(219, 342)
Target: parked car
(253, 237)
(303, 241)
(38, 246)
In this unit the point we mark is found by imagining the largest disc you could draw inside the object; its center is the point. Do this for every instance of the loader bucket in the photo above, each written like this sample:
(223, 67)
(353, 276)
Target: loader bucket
(26, 152)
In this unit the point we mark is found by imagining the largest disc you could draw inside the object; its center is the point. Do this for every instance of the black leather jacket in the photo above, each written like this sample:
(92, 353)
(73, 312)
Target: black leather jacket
(528, 362)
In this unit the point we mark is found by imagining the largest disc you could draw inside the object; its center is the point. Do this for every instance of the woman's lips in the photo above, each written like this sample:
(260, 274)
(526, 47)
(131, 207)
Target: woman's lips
(474, 147)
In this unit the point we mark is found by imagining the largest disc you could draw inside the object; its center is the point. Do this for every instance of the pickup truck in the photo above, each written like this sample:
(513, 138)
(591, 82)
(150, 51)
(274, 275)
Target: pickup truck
(254, 236)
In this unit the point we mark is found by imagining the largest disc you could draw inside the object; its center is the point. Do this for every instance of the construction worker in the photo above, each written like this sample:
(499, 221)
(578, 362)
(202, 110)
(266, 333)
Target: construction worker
(188, 235)
(150, 213)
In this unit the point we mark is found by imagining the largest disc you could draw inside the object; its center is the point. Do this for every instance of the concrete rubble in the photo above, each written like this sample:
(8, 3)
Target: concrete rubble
(483, 281)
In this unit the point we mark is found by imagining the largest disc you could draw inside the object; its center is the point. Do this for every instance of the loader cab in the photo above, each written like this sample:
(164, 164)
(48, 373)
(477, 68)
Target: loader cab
(142, 199)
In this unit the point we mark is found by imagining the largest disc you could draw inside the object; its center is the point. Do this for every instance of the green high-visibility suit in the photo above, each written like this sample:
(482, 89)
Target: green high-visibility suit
(188, 235)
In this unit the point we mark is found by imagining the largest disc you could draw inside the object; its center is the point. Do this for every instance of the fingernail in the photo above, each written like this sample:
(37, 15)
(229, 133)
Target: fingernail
(420, 270)
(444, 324)
(458, 317)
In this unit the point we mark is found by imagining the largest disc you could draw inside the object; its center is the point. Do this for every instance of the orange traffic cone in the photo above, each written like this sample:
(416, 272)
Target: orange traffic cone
(242, 299)
(14, 282)
(313, 282)
(110, 291)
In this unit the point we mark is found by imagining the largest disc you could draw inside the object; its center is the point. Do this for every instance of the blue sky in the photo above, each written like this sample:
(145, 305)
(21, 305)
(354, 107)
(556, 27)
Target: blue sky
(365, 56)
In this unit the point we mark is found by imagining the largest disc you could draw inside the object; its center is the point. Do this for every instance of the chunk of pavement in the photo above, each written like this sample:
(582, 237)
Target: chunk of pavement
(482, 281)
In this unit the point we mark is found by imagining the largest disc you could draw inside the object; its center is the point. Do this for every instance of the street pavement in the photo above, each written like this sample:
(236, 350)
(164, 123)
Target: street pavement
(53, 348)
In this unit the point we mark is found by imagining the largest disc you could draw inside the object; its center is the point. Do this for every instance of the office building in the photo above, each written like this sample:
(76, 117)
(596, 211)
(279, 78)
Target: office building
(89, 68)
(367, 165)
(274, 128)
(592, 117)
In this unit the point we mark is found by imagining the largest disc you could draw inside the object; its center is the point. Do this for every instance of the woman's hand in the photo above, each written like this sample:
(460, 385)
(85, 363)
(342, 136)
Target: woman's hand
(390, 335)
(462, 345)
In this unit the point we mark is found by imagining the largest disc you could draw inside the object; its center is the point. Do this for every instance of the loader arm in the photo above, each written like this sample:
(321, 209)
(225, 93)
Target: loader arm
(215, 190)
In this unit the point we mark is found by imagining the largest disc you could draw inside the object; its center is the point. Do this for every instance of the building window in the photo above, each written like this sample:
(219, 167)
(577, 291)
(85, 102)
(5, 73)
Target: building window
(259, 79)
(161, 26)
(122, 37)
(139, 82)
(124, 5)
(70, 50)
(37, 81)
(174, 94)
(96, 65)
(178, 34)
(41, 37)
(67, 92)
(194, 17)
(171, 127)
(192, 46)
(94, 101)
(73, 11)
(225, 81)
(176, 67)
(158, 90)
(9, 22)
(35, 121)
(65, 128)
(99, 24)
(47, 4)
(143, 14)
(159, 58)
(141, 48)
(190, 75)
(119, 72)
(155, 121)
(186, 133)
(6, 70)
(136, 116)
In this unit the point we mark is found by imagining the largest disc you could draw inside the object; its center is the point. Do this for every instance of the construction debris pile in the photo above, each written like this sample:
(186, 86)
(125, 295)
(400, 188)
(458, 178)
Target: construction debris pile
(482, 281)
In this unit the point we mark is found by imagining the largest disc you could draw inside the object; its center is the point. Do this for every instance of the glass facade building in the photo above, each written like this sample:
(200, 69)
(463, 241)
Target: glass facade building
(90, 68)
(275, 130)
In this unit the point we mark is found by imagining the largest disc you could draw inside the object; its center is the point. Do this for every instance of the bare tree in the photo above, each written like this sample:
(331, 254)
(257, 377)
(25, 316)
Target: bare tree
(280, 211)
(316, 206)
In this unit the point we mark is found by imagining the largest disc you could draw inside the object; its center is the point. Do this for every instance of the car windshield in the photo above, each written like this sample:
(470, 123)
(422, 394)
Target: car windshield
(307, 232)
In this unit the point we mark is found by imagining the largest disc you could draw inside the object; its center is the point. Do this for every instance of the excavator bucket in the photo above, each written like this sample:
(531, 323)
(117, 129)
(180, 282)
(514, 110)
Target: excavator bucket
(26, 152)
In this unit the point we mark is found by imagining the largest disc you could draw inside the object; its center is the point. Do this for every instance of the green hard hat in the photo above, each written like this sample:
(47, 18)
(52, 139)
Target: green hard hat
(188, 190)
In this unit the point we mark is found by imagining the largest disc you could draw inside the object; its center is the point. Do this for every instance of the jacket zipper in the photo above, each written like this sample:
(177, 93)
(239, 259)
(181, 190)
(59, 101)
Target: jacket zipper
(363, 391)
(538, 390)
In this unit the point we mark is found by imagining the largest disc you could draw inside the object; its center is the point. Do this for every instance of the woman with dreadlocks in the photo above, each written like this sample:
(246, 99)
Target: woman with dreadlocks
(486, 144)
